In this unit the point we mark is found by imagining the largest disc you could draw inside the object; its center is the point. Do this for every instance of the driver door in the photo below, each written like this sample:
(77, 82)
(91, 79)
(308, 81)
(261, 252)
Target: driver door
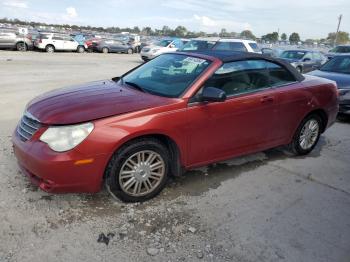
(243, 123)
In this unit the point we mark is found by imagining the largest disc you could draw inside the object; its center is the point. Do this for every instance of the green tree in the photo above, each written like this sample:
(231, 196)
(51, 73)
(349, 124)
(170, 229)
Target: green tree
(147, 31)
(294, 38)
(247, 34)
(271, 37)
(180, 31)
(136, 30)
(343, 37)
(284, 37)
(223, 33)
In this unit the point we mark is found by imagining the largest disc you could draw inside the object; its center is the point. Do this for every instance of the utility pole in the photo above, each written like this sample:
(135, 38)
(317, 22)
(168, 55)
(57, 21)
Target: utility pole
(336, 34)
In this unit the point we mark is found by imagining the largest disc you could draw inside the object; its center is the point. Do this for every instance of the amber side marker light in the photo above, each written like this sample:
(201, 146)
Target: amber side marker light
(84, 161)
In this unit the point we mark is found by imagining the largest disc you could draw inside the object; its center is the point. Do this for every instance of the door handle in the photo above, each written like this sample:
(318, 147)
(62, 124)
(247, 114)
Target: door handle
(267, 99)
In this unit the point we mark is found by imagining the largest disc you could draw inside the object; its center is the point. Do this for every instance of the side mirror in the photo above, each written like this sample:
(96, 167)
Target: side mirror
(306, 59)
(172, 46)
(213, 94)
(116, 79)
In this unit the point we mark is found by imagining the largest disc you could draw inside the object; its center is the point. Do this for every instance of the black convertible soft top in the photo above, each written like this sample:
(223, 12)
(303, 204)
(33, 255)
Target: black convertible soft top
(231, 56)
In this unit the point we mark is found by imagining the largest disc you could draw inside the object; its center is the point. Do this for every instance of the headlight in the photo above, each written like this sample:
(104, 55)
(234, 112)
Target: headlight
(344, 94)
(64, 138)
(155, 50)
(294, 64)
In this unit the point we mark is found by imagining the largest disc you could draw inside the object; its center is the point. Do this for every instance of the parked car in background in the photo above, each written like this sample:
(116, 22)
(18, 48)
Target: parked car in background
(221, 44)
(51, 42)
(272, 52)
(199, 44)
(160, 47)
(241, 45)
(90, 42)
(111, 46)
(340, 49)
(10, 38)
(338, 70)
(304, 60)
(177, 112)
(81, 38)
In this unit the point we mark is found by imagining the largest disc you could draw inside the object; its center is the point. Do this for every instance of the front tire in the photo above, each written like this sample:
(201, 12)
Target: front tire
(21, 47)
(307, 135)
(80, 49)
(105, 50)
(138, 171)
(130, 51)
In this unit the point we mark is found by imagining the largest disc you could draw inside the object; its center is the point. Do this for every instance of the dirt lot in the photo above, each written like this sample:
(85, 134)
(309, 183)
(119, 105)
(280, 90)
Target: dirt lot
(264, 207)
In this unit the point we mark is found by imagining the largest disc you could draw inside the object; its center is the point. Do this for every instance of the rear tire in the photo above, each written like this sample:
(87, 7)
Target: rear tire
(50, 49)
(21, 47)
(307, 135)
(80, 49)
(142, 164)
(105, 50)
(130, 51)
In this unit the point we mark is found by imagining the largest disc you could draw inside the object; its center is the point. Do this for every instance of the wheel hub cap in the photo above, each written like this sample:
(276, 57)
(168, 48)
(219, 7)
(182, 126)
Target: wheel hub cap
(141, 173)
(309, 134)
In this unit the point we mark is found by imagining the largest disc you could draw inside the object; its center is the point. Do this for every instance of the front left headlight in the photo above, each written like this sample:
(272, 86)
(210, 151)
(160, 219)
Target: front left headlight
(155, 50)
(64, 138)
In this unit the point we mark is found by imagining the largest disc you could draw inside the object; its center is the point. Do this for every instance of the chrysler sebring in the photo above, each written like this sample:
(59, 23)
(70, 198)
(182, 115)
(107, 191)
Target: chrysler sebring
(176, 112)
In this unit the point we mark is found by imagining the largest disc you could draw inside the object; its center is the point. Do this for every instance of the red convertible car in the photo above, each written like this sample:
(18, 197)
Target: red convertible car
(176, 112)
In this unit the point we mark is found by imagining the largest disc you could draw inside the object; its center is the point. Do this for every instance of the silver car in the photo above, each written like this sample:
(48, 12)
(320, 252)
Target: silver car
(12, 39)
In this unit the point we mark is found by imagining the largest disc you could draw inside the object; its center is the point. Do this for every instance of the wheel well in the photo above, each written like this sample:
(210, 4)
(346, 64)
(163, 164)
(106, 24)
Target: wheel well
(174, 152)
(50, 45)
(22, 42)
(321, 113)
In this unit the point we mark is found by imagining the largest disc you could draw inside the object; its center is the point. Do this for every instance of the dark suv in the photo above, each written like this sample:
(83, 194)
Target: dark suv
(11, 39)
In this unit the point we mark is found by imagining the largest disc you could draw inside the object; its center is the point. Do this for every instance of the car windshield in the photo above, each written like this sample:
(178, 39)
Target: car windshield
(293, 54)
(198, 45)
(167, 75)
(163, 43)
(254, 46)
(339, 64)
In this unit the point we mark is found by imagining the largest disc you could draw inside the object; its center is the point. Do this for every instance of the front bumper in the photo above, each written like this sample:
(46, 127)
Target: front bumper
(344, 107)
(58, 172)
(148, 55)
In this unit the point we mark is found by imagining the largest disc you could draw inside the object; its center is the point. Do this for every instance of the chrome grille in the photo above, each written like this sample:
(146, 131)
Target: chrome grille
(27, 127)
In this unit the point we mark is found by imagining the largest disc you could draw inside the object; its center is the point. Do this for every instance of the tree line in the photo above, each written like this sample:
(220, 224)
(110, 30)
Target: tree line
(181, 31)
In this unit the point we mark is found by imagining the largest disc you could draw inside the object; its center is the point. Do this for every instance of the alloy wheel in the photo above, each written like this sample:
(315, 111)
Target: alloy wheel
(309, 134)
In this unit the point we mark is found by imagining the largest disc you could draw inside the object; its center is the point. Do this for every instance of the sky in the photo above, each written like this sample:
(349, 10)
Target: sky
(310, 18)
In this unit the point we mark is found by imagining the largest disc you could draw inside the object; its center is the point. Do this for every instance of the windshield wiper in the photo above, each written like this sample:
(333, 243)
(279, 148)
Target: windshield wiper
(136, 86)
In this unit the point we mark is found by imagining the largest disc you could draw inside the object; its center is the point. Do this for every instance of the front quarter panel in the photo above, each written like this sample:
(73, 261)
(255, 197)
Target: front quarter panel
(111, 133)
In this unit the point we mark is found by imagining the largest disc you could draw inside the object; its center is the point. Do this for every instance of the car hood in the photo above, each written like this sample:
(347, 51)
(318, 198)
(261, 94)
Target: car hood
(91, 101)
(343, 80)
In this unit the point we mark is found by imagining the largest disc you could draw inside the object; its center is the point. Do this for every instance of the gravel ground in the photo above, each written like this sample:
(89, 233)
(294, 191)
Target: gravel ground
(268, 206)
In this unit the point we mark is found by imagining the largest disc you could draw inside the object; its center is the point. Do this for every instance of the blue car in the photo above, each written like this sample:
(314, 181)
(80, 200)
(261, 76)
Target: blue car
(338, 70)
